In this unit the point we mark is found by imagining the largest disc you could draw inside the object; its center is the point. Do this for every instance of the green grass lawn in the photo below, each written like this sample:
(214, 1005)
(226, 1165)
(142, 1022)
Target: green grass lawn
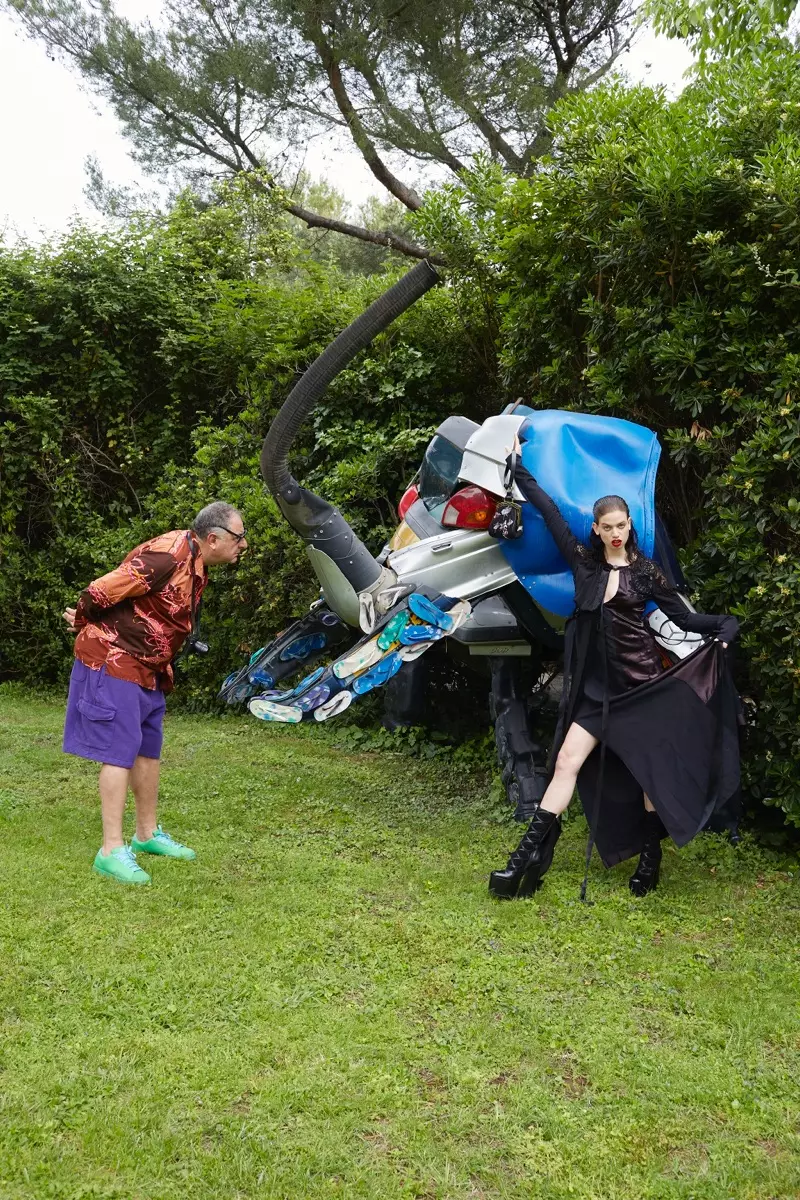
(329, 1004)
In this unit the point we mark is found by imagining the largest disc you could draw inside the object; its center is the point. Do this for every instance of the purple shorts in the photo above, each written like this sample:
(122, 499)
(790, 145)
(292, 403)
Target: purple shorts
(112, 720)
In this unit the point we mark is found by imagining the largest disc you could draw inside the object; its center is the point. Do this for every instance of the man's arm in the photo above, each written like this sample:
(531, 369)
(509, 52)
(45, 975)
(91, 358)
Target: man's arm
(139, 574)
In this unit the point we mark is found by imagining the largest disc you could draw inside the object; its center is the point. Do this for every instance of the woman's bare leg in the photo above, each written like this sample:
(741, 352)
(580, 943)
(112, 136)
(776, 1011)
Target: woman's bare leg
(648, 803)
(575, 749)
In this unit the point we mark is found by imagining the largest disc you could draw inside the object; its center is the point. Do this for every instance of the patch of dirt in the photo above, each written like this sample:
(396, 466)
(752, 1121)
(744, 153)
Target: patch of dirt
(377, 1139)
(687, 1160)
(574, 1084)
(241, 1106)
(433, 1086)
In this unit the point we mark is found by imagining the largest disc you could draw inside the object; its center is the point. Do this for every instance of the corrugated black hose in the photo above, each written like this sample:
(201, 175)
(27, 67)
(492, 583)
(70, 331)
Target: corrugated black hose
(304, 395)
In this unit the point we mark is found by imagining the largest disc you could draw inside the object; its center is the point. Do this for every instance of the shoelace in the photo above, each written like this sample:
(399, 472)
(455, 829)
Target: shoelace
(163, 836)
(128, 857)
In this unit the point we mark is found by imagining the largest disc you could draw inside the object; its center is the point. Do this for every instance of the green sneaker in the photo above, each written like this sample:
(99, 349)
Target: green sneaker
(162, 843)
(121, 865)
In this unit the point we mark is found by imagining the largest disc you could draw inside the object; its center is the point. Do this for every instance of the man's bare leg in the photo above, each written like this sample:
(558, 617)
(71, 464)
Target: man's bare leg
(144, 784)
(113, 791)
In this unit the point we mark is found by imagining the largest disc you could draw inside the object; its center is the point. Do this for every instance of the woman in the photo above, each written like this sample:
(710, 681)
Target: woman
(664, 742)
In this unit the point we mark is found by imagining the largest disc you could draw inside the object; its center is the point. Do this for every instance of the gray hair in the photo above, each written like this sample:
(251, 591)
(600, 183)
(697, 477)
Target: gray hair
(215, 516)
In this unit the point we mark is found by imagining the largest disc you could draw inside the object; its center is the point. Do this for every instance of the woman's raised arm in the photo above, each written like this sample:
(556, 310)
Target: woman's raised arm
(563, 536)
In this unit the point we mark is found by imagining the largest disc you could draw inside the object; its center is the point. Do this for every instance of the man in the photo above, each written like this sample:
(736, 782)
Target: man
(131, 623)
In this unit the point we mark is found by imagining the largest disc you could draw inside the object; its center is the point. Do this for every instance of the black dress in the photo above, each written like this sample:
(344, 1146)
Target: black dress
(669, 731)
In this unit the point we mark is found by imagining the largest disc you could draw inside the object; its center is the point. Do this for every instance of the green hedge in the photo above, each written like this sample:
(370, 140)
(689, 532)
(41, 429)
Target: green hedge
(139, 372)
(650, 271)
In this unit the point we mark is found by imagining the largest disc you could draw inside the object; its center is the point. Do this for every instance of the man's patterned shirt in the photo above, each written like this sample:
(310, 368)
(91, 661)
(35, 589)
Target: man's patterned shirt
(134, 620)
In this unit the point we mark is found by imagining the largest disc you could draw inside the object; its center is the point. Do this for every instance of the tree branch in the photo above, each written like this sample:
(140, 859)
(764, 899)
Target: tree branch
(497, 143)
(377, 166)
(375, 237)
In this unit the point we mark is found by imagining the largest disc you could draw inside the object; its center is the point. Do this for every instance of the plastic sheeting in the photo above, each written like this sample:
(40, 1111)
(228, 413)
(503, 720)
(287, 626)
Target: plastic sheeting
(577, 458)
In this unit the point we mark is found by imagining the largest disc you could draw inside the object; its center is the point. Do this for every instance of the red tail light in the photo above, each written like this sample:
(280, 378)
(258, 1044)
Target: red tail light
(410, 496)
(471, 508)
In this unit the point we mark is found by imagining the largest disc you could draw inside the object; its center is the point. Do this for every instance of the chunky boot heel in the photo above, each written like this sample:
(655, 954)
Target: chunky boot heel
(648, 870)
(532, 857)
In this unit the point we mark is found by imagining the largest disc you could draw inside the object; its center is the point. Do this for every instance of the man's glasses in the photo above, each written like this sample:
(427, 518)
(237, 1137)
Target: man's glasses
(239, 536)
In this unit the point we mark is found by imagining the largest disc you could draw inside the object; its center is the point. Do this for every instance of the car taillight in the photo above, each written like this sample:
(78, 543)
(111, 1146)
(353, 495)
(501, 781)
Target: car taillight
(410, 496)
(471, 508)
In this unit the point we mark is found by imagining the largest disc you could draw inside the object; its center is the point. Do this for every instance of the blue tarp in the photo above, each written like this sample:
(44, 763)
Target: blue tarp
(577, 458)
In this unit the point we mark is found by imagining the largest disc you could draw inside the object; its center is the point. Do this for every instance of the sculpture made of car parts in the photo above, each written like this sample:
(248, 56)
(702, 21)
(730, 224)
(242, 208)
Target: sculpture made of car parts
(442, 582)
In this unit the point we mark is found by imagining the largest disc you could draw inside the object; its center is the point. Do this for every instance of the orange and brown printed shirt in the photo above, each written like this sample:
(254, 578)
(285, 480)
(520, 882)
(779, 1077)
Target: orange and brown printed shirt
(134, 620)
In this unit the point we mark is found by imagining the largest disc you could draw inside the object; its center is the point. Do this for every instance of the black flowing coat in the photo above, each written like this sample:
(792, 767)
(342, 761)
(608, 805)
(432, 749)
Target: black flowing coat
(674, 738)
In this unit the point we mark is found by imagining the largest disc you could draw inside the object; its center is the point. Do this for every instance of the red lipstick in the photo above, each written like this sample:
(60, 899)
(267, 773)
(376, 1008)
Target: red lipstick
(616, 541)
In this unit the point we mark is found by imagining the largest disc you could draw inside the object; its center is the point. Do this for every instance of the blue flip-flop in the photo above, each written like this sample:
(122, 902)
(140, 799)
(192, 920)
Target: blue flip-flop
(378, 675)
(420, 633)
(308, 682)
(313, 698)
(238, 693)
(301, 647)
(265, 678)
(276, 695)
(429, 612)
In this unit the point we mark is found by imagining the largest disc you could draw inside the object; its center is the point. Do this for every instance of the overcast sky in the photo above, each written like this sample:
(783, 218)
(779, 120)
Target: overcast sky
(50, 125)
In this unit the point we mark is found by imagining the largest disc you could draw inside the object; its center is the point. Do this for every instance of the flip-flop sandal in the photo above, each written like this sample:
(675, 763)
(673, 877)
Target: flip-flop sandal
(236, 693)
(367, 616)
(276, 695)
(410, 653)
(329, 618)
(231, 689)
(459, 613)
(392, 631)
(389, 597)
(263, 677)
(412, 634)
(267, 710)
(308, 682)
(364, 656)
(378, 675)
(331, 708)
(429, 612)
(301, 647)
(313, 698)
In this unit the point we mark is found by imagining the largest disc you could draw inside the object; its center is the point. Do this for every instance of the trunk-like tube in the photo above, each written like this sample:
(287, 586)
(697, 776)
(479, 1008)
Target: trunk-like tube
(322, 527)
(304, 395)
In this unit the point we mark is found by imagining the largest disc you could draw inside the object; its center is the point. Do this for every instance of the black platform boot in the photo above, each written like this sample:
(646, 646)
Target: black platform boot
(531, 859)
(645, 878)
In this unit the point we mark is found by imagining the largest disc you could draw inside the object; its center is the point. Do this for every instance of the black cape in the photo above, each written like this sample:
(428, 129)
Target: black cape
(675, 737)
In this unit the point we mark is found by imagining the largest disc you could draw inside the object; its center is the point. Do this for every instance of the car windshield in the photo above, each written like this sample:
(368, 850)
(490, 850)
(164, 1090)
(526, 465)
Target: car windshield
(439, 472)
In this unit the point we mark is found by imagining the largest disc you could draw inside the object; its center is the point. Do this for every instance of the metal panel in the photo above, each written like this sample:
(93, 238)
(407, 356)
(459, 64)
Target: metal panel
(459, 562)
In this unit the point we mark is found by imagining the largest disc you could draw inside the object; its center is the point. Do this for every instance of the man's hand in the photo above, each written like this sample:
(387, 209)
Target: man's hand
(69, 616)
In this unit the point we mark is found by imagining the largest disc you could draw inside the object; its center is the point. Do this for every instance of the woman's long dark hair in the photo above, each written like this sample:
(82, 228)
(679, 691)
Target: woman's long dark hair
(607, 504)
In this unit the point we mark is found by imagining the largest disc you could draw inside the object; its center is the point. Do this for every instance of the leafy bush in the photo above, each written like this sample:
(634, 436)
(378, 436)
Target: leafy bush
(139, 372)
(649, 271)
